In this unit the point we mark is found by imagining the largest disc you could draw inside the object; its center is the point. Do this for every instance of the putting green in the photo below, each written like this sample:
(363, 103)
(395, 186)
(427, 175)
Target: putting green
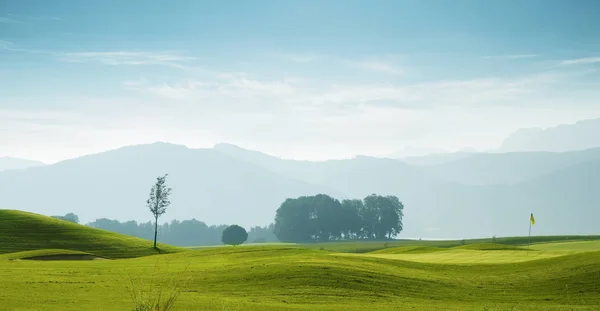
(463, 256)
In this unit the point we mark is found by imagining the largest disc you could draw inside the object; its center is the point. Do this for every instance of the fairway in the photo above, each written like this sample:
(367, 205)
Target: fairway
(282, 278)
(276, 278)
(87, 269)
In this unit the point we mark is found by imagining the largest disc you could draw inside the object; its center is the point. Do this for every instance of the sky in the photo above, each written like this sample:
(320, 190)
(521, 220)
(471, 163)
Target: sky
(298, 79)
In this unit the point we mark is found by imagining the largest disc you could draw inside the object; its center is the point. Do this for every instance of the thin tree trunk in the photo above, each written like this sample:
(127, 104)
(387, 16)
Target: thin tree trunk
(155, 230)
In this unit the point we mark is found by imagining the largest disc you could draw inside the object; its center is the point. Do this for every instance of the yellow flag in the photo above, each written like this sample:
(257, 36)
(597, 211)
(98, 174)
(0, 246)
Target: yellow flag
(532, 219)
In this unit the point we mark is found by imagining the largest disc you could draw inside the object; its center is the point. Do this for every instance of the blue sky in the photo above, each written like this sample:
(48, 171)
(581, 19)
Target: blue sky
(299, 79)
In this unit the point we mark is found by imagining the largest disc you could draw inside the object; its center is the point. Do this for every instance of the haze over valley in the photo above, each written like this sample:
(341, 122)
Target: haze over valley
(230, 184)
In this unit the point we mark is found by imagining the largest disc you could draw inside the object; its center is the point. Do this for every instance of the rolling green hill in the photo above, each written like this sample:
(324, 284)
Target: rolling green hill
(296, 278)
(22, 231)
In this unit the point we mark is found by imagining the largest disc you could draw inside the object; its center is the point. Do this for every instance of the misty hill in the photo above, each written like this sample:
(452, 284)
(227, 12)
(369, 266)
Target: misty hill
(567, 198)
(207, 185)
(7, 163)
(567, 137)
(357, 177)
(228, 184)
(437, 158)
(508, 168)
(439, 206)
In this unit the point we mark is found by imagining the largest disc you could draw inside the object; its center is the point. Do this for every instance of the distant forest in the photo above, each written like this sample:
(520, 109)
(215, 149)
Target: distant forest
(178, 233)
(307, 219)
(181, 233)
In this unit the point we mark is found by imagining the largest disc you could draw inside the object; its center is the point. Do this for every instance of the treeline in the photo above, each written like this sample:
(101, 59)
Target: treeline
(181, 233)
(306, 219)
(322, 218)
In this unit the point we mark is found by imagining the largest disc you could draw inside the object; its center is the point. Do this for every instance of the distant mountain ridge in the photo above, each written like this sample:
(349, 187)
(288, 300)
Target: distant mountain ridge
(508, 168)
(484, 190)
(582, 135)
(207, 185)
(8, 163)
(476, 196)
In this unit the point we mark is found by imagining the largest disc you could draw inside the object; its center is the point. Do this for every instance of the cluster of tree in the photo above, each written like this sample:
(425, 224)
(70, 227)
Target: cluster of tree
(181, 233)
(322, 218)
(316, 218)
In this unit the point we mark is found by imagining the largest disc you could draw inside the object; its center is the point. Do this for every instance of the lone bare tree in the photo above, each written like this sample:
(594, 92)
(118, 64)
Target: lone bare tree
(159, 201)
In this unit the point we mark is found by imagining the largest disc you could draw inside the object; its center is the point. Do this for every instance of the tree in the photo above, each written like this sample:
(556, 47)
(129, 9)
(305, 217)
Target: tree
(382, 216)
(234, 235)
(293, 221)
(321, 218)
(159, 201)
(351, 221)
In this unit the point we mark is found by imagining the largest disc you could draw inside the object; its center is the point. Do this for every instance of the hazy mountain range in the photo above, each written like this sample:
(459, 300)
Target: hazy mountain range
(7, 163)
(466, 194)
(567, 137)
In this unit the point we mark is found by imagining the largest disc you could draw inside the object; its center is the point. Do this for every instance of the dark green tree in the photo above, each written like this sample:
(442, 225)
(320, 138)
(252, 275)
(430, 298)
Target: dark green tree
(383, 216)
(159, 201)
(393, 216)
(322, 218)
(234, 235)
(327, 223)
(350, 220)
(293, 221)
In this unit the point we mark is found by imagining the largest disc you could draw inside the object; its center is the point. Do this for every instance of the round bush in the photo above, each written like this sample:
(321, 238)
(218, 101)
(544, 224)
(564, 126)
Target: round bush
(234, 235)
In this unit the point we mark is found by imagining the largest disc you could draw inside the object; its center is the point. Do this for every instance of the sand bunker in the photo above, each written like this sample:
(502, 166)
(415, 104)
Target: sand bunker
(65, 257)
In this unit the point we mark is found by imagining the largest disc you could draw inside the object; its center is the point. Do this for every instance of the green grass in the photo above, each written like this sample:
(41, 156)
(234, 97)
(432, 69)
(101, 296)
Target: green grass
(408, 250)
(397, 275)
(22, 231)
(491, 247)
(371, 246)
(483, 253)
(291, 278)
(466, 257)
(569, 247)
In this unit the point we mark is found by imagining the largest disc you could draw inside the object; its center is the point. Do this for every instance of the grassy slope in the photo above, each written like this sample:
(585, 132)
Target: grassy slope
(412, 276)
(291, 278)
(371, 246)
(22, 231)
(484, 253)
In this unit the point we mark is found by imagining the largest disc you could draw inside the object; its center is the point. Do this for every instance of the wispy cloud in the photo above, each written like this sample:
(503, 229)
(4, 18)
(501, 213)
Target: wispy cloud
(580, 61)
(10, 20)
(245, 93)
(5, 44)
(301, 57)
(27, 19)
(127, 58)
(514, 56)
(10, 46)
(235, 90)
(378, 66)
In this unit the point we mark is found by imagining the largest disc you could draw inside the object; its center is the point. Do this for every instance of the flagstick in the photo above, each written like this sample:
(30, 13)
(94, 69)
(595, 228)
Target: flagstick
(529, 241)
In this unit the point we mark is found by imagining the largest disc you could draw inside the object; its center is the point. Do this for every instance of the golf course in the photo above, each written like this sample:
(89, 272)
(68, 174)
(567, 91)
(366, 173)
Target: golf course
(51, 264)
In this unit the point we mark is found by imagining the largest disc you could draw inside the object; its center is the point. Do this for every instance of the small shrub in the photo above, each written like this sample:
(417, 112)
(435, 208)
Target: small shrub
(234, 235)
